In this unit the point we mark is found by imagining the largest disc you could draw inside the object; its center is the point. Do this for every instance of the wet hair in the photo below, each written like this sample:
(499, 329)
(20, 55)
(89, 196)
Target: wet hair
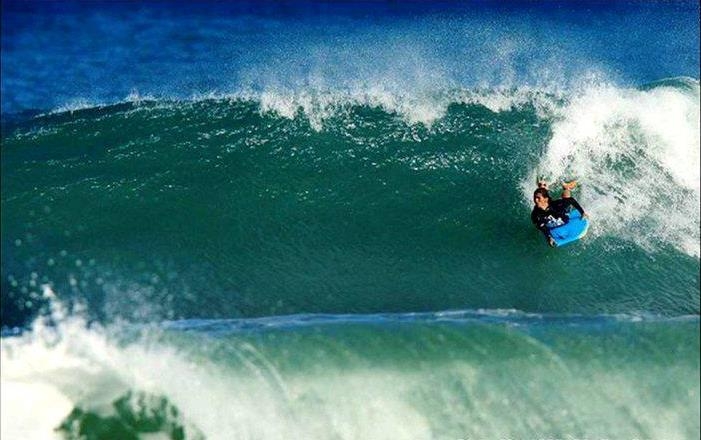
(543, 192)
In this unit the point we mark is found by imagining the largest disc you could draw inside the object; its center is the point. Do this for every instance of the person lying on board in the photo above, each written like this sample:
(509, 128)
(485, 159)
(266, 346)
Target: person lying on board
(548, 213)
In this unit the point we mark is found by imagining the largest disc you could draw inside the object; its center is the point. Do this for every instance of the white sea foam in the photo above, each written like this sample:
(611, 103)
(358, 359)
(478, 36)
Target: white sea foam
(74, 105)
(42, 382)
(318, 105)
(636, 155)
(235, 388)
(46, 371)
(413, 108)
(62, 364)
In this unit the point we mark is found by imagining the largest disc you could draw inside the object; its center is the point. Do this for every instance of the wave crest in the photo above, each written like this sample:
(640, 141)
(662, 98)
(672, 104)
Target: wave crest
(636, 153)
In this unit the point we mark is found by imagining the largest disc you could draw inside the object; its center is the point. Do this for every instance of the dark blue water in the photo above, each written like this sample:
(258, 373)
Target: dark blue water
(63, 54)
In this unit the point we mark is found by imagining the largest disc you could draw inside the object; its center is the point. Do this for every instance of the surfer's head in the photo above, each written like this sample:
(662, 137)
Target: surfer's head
(541, 198)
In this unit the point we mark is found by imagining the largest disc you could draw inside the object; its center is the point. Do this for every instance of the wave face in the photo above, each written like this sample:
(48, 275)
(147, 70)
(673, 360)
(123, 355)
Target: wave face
(311, 220)
(219, 208)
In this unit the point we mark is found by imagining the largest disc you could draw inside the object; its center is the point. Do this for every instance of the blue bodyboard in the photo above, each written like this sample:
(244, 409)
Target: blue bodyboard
(571, 231)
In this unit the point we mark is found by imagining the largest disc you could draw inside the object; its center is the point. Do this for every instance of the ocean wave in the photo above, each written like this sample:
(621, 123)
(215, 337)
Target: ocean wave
(318, 104)
(150, 209)
(636, 152)
(310, 220)
(407, 375)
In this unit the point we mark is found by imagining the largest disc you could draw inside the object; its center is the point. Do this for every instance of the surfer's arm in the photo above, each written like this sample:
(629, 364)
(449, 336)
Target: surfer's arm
(546, 233)
(573, 202)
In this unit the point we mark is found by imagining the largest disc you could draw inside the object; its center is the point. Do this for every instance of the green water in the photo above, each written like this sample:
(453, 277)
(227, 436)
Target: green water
(216, 209)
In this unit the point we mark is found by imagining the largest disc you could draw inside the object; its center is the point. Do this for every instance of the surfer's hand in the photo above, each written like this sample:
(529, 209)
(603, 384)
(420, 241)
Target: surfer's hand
(585, 215)
(551, 241)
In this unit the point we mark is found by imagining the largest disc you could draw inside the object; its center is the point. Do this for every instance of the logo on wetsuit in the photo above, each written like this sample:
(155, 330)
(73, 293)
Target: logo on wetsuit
(553, 222)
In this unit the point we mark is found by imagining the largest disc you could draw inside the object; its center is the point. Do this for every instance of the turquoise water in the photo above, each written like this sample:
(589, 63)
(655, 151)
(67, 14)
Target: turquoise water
(215, 209)
(443, 375)
(312, 221)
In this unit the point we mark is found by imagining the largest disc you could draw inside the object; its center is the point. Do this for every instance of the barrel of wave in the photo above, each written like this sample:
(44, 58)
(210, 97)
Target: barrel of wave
(636, 154)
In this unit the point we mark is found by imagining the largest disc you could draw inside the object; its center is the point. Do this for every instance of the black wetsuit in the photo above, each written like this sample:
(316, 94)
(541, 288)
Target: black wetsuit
(555, 215)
